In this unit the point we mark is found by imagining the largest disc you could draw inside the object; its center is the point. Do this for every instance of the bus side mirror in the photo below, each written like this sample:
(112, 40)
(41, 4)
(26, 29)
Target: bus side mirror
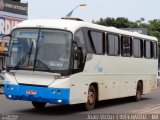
(78, 58)
(78, 53)
(3, 47)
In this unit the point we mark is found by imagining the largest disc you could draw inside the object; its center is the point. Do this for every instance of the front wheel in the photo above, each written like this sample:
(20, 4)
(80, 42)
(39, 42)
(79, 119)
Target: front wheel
(1, 89)
(91, 99)
(39, 105)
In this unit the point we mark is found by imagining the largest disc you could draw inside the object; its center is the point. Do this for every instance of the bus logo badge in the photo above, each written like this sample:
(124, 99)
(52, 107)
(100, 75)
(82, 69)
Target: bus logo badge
(31, 92)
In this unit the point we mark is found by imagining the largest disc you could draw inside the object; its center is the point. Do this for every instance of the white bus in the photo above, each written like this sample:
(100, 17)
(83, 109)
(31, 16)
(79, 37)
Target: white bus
(70, 61)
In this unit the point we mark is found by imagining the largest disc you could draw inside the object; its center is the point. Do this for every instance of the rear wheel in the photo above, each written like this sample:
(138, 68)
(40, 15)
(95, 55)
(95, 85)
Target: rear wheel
(138, 92)
(39, 105)
(91, 99)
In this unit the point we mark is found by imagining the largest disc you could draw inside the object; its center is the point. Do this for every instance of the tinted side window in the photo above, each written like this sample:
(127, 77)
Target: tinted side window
(126, 48)
(112, 44)
(87, 41)
(155, 50)
(97, 40)
(137, 46)
(148, 49)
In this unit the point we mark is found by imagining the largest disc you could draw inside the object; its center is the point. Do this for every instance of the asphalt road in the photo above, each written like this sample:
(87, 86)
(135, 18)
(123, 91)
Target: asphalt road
(23, 110)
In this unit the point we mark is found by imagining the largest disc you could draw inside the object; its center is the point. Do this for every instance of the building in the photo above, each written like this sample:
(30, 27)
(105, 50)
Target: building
(11, 13)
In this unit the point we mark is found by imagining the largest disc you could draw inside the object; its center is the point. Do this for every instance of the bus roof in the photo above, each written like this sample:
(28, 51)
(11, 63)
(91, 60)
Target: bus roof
(73, 25)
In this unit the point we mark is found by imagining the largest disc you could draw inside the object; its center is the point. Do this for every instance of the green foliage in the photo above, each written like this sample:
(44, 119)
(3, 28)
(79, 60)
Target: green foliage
(132, 24)
(153, 26)
(121, 22)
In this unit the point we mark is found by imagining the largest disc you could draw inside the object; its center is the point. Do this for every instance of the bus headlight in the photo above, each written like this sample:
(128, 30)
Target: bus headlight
(10, 87)
(9, 96)
(59, 92)
(54, 91)
(59, 101)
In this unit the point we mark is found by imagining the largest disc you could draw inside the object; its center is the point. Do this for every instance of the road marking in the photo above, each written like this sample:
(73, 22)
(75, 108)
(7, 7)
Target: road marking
(148, 109)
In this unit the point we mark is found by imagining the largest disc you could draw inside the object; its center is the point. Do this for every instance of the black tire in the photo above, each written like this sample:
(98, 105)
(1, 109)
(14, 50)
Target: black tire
(138, 91)
(39, 105)
(1, 89)
(91, 98)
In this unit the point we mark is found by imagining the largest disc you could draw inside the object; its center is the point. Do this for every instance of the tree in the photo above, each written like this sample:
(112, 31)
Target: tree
(106, 22)
(122, 22)
(140, 21)
(153, 26)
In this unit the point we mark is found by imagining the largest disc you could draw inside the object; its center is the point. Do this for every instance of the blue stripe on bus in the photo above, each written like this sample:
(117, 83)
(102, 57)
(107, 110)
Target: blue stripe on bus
(37, 94)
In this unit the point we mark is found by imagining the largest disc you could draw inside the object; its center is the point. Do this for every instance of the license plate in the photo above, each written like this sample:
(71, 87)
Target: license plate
(31, 92)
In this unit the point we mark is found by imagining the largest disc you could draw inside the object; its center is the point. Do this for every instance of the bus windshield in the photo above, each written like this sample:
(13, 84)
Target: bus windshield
(40, 49)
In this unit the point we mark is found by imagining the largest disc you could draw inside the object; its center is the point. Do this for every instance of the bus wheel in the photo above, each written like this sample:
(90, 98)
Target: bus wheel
(138, 92)
(1, 89)
(91, 99)
(39, 105)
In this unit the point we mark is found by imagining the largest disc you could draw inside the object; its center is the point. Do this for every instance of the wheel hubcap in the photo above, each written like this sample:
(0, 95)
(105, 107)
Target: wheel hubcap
(91, 97)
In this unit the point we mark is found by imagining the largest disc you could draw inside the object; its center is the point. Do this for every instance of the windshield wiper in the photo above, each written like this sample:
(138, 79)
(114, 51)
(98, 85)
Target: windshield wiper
(35, 59)
(23, 59)
(29, 54)
(38, 60)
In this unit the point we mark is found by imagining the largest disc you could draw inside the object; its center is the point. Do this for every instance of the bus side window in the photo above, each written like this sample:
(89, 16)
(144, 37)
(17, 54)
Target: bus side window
(148, 49)
(137, 45)
(97, 40)
(155, 50)
(126, 47)
(113, 44)
(87, 41)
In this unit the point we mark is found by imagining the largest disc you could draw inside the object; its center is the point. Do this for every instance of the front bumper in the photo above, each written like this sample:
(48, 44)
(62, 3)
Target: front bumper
(37, 94)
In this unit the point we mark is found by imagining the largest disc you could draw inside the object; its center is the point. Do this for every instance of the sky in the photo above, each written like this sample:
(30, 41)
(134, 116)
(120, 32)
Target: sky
(95, 9)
